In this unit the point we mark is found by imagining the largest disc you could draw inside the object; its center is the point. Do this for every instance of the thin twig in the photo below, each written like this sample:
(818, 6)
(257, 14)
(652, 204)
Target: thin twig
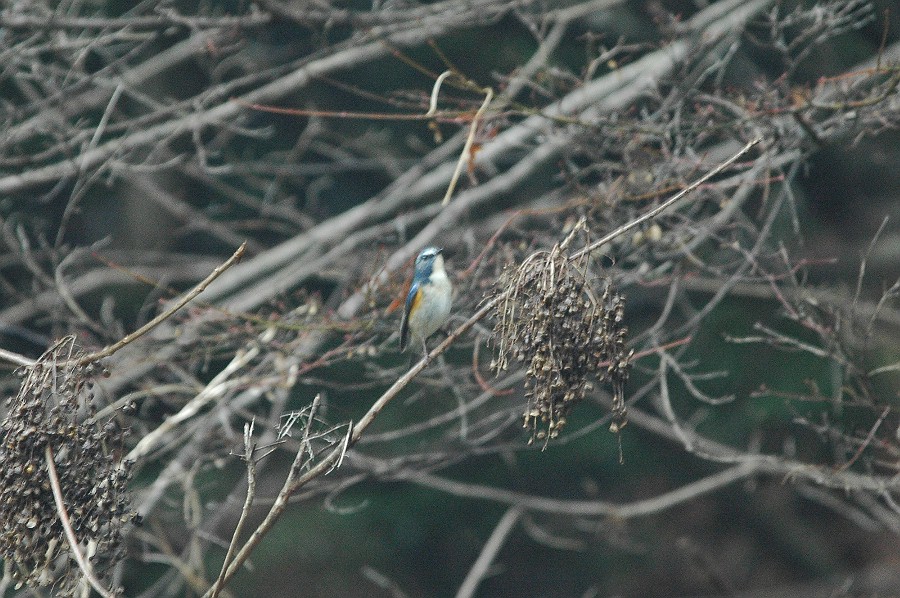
(163, 20)
(216, 388)
(109, 350)
(275, 512)
(863, 261)
(249, 450)
(656, 211)
(83, 564)
(435, 91)
(15, 358)
(489, 552)
(592, 508)
(467, 148)
(865, 443)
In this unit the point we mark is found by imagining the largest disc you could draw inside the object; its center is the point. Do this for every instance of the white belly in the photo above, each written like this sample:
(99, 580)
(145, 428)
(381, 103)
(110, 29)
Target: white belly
(433, 309)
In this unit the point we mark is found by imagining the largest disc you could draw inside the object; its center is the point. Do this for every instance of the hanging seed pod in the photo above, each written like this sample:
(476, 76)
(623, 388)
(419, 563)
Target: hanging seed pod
(52, 410)
(564, 332)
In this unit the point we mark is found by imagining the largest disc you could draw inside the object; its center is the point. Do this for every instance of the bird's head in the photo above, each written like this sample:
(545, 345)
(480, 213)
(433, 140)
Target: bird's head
(429, 259)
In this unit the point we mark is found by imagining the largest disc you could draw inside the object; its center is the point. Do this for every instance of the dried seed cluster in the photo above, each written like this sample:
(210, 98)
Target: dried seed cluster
(550, 318)
(53, 409)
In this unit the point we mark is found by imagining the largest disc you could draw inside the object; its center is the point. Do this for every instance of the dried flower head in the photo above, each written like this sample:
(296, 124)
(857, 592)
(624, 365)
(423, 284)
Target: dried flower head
(53, 409)
(549, 317)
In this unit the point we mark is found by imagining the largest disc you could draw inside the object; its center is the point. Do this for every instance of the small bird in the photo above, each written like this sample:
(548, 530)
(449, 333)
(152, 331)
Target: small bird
(428, 302)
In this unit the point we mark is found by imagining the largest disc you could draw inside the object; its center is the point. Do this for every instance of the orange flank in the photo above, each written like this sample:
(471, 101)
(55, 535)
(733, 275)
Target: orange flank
(416, 300)
(401, 300)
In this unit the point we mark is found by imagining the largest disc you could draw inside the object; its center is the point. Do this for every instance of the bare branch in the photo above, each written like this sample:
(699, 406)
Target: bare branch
(168, 313)
(83, 563)
(489, 552)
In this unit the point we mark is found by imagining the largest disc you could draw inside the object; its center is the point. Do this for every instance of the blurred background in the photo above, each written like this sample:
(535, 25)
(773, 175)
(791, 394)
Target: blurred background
(143, 142)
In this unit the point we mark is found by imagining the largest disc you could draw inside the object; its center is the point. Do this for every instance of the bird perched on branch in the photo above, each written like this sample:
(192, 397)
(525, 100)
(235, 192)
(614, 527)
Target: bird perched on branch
(428, 302)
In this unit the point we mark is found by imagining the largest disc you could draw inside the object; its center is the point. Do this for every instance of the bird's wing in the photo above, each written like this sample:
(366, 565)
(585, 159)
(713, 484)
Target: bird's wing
(412, 300)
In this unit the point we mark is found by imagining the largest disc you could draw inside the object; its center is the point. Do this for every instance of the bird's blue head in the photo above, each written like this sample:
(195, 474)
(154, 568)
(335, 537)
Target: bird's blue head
(425, 263)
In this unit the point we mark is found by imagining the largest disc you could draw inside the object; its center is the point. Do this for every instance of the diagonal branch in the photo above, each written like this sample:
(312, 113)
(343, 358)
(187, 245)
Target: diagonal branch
(83, 563)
